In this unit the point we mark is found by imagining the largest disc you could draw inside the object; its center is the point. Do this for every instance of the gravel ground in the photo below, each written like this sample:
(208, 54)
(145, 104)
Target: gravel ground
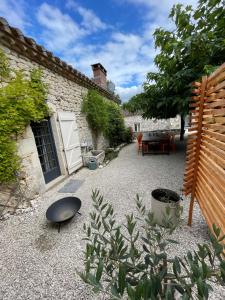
(37, 262)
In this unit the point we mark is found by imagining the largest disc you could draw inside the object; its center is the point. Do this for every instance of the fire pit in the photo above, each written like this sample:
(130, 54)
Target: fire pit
(63, 210)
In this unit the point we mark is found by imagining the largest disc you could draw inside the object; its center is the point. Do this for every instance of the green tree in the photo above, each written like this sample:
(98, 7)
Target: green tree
(194, 48)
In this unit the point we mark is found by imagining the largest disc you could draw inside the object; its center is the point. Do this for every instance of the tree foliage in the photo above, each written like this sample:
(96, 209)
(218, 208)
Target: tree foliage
(21, 101)
(194, 48)
(132, 261)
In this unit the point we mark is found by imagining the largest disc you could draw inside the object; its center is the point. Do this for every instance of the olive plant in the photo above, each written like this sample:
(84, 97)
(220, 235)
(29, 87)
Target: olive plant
(132, 261)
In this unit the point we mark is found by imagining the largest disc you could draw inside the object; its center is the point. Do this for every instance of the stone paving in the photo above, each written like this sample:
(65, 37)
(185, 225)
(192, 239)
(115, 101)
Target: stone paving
(37, 262)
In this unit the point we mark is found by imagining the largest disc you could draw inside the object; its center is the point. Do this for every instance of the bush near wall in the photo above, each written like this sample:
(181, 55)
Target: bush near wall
(21, 101)
(115, 130)
(105, 117)
(129, 135)
(94, 108)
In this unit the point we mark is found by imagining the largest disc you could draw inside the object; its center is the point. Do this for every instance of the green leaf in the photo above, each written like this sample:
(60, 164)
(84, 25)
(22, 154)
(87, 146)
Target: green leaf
(99, 270)
(139, 290)
(185, 296)
(103, 206)
(222, 270)
(222, 238)
(172, 241)
(179, 288)
(130, 292)
(216, 230)
(114, 291)
(176, 266)
(169, 294)
(145, 248)
(121, 279)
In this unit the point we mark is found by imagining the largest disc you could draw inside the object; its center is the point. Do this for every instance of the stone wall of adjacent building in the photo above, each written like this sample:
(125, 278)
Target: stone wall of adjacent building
(63, 95)
(152, 124)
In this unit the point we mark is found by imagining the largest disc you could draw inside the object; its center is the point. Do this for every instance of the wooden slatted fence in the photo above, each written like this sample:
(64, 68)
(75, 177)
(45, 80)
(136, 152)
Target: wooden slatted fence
(204, 175)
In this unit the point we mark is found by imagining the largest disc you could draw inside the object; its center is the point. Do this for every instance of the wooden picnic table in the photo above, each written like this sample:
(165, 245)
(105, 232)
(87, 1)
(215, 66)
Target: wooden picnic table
(151, 144)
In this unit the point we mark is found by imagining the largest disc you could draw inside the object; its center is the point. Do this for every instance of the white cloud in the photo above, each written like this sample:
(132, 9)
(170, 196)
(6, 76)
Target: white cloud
(128, 57)
(90, 21)
(14, 12)
(156, 15)
(157, 12)
(163, 5)
(125, 56)
(60, 30)
(127, 92)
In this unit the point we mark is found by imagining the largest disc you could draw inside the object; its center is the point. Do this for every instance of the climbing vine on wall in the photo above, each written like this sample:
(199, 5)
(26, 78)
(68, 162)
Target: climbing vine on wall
(94, 106)
(22, 100)
(104, 117)
(115, 130)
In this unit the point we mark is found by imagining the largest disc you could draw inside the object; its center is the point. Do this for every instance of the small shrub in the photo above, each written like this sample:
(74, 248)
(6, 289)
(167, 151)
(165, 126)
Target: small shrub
(131, 262)
(110, 154)
(129, 135)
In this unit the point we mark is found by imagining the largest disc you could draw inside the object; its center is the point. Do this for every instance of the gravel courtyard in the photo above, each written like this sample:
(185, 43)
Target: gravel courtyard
(37, 262)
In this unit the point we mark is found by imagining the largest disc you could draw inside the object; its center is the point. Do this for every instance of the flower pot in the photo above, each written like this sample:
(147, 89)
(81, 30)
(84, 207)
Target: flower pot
(97, 155)
(92, 164)
(165, 203)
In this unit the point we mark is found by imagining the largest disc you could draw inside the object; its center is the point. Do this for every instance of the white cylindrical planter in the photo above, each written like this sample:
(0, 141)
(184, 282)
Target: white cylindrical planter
(161, 199)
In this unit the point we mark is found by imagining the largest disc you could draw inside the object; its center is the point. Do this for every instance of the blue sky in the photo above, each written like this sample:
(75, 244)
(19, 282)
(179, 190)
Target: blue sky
(117, 33)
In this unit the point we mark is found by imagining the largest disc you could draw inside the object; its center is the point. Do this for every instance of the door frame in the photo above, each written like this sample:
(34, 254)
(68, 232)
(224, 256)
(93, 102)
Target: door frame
(61, 118)
(47, 177)
(58, 143)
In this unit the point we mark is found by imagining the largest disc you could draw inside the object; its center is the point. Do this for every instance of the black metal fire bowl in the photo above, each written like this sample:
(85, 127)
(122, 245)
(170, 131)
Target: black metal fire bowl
(63, 210)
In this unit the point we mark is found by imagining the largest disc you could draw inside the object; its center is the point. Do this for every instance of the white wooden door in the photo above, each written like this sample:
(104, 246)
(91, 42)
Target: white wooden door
(71, 142)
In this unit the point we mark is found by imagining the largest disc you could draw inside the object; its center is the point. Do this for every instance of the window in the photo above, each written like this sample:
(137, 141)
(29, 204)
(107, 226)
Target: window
(137, 127)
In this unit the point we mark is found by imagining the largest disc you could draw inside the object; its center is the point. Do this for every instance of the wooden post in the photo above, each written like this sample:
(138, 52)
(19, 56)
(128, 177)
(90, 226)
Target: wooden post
(198, 144)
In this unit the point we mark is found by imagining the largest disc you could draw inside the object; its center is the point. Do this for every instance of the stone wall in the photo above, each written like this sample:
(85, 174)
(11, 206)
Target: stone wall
(63, 95)
(152, 124)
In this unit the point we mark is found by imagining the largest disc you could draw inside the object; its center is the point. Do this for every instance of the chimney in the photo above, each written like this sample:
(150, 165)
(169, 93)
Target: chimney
(100, 74)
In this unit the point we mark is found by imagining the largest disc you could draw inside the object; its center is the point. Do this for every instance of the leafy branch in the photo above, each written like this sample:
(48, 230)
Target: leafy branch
(21, 101)
(132, 260)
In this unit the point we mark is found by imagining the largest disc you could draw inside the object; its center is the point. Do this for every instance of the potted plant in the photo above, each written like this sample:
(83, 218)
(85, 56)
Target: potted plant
(165, 206)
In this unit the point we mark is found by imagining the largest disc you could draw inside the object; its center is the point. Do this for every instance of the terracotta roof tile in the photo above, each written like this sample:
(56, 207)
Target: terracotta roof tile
(14, 39)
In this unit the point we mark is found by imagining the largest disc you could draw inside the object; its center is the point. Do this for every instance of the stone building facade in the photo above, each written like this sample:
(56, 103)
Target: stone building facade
(137, 123)
(66, 89)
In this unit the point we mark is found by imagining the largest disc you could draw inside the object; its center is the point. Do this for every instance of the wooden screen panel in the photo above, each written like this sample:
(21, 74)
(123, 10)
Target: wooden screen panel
(204, 177)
